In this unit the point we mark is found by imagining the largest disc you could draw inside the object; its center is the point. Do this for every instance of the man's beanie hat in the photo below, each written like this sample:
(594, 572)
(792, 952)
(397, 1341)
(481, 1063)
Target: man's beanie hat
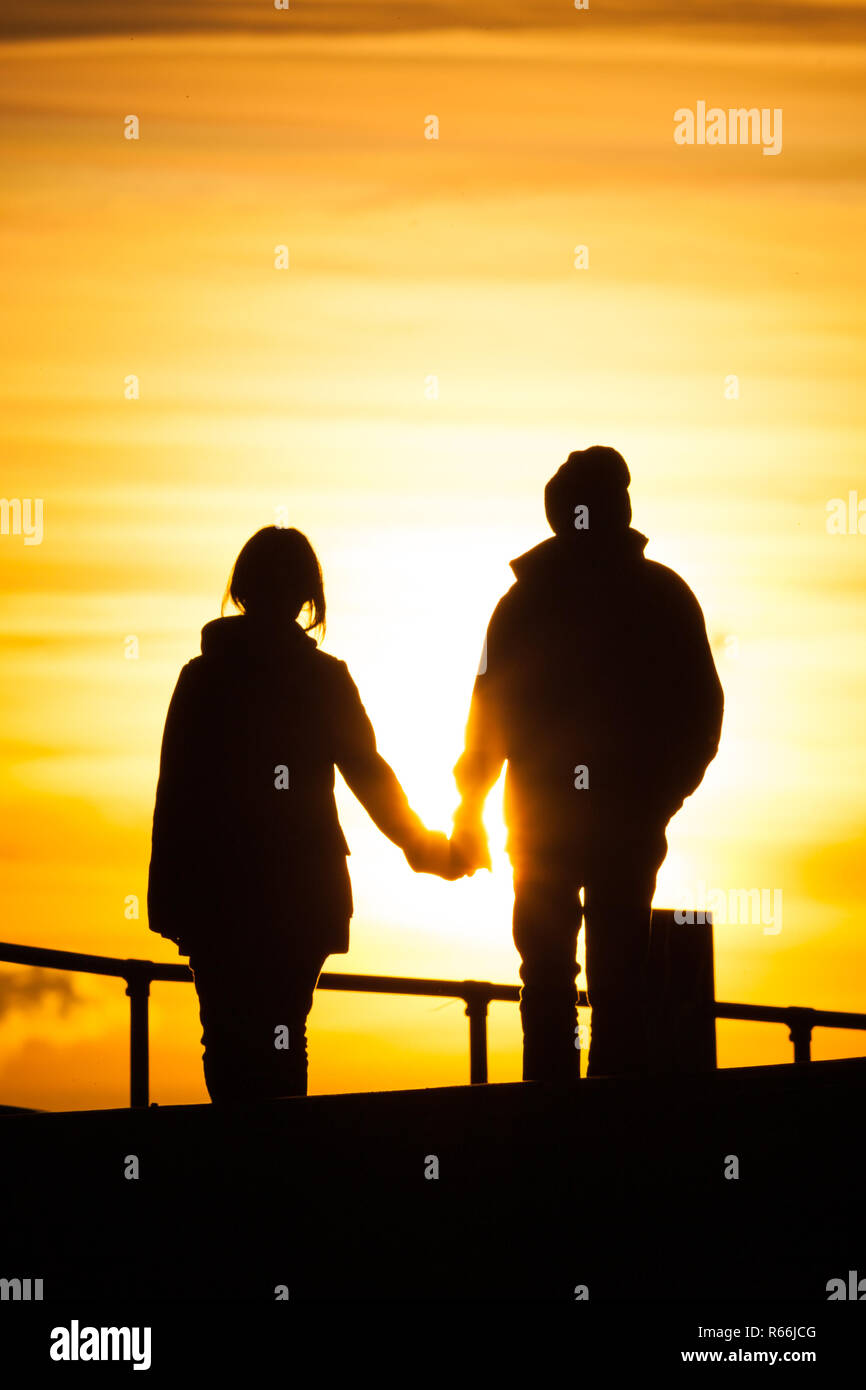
(597, 478)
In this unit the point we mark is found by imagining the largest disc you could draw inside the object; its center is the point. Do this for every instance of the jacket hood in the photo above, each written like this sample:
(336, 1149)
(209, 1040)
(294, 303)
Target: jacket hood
(583, 550)
(238, 638)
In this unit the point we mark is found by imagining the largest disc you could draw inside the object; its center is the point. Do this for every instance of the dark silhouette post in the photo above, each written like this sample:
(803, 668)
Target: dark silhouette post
(598, 689)
(476, 1011)
(138, 989)
(682, 995)
(800, 1033)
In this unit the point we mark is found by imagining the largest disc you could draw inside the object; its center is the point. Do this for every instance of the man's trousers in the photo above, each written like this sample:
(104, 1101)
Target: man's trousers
(618, 877)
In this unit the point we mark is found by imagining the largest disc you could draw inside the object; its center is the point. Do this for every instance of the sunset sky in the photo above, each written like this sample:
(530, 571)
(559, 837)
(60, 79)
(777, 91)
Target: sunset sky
(304, 389)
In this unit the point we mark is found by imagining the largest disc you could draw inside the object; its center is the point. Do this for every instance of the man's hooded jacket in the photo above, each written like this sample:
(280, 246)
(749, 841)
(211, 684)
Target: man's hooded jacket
(598, 686)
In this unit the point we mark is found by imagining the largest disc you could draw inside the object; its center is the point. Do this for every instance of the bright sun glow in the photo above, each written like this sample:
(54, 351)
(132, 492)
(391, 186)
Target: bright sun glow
(311, 390)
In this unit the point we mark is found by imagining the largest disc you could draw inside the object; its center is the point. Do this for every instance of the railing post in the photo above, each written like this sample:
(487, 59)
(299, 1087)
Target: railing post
(476, 1012)
(138, 989)
(800, 1021)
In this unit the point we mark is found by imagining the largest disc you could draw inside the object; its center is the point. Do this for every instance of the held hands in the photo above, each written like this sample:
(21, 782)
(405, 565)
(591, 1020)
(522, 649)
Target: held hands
(431, 852)
(469, 849)
(469, 840)
(469, 845)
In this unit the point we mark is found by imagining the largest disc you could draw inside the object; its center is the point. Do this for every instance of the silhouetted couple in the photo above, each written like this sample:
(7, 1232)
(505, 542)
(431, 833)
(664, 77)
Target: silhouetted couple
(597, 688)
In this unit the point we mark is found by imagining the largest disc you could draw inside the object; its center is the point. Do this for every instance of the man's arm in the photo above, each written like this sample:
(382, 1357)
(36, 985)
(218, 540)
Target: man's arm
(480, 764)
(700, 715)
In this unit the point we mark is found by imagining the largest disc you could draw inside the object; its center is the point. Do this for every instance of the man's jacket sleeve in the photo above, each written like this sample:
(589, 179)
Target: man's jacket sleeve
(701, 705)
(485, 748)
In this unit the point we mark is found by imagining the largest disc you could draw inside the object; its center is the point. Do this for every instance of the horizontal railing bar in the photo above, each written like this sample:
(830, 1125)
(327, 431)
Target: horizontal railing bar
(395, 984)
(373, 984)
(50, 959)
(791, 1013)
(468, 990)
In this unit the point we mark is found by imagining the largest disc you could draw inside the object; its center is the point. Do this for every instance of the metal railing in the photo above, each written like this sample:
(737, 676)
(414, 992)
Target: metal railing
(476, 994)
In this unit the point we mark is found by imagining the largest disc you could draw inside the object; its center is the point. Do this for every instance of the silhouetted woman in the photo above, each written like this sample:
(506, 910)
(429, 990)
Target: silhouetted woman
(248, 870)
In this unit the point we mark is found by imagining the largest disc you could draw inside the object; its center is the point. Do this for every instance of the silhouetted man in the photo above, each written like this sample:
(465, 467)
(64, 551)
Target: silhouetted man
(598, 687)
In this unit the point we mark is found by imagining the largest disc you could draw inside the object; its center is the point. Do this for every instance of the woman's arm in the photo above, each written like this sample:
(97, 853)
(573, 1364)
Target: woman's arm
(378, 789)
(168, 888)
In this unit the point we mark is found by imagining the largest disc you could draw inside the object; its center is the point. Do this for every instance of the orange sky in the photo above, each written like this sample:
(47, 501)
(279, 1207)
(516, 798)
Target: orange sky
(304, 388)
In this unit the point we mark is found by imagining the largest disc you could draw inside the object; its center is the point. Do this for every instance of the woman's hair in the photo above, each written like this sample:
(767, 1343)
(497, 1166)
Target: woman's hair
(276, 571)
